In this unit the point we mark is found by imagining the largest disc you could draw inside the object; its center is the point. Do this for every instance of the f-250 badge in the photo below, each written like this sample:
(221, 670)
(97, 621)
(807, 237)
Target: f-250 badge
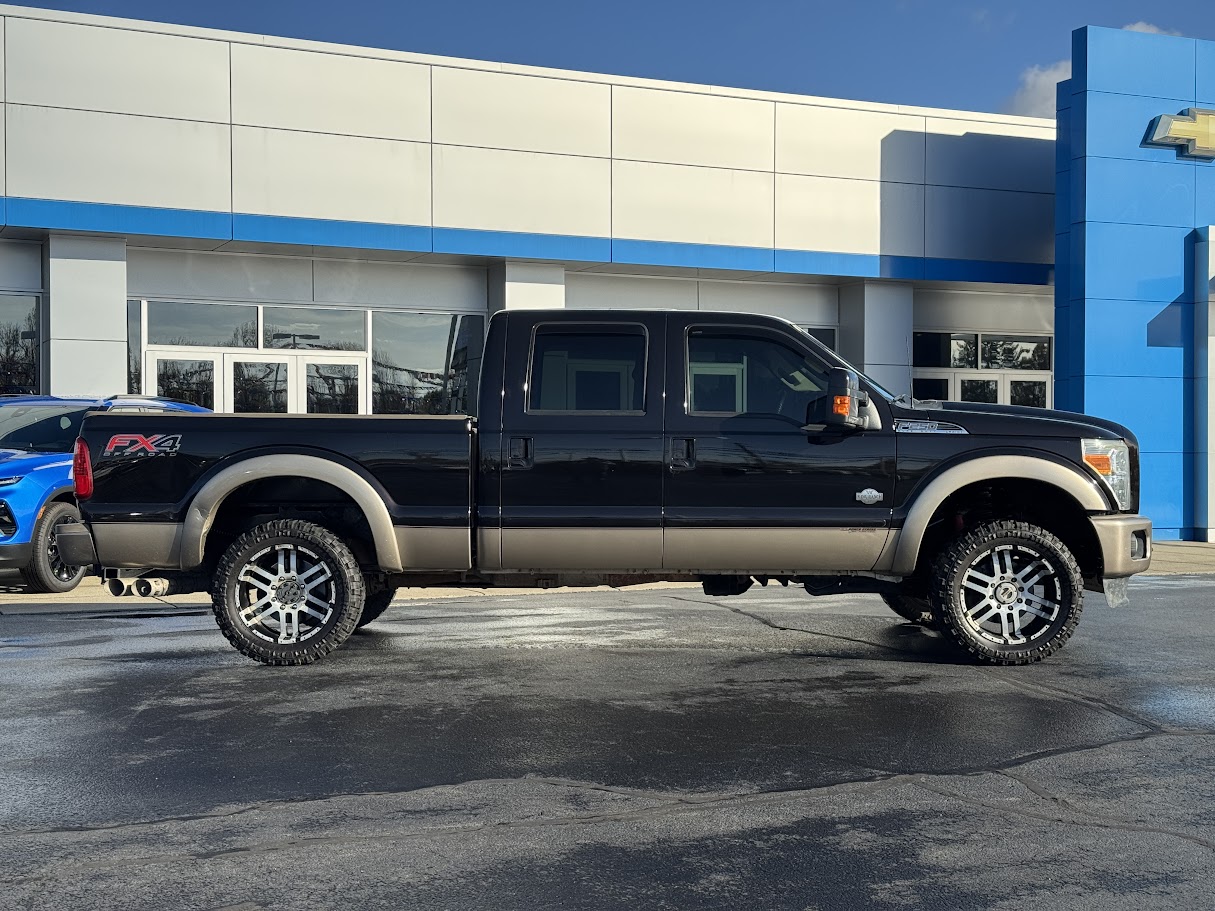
(130, 445)
(869, 496)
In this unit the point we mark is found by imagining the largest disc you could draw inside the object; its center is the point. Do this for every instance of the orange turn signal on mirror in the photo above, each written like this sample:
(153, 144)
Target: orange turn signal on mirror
(842, 405)
(1100, 462)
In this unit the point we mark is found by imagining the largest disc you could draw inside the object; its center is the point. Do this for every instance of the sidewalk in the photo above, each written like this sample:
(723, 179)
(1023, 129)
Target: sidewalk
(1168, 558)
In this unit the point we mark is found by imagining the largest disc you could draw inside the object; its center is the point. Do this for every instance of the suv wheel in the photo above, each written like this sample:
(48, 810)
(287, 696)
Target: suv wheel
(46, 571)
(1008, 592)
(287, 592)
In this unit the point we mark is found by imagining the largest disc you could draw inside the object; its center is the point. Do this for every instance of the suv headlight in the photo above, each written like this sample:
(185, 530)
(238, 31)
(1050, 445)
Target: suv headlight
(1112, 460)
(8, 482)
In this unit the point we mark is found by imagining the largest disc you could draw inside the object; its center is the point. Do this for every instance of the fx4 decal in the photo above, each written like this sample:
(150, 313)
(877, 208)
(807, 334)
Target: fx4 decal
(135, 444)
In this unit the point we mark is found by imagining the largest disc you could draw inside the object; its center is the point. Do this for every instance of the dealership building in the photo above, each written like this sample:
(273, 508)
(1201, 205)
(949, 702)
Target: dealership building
(266, 224)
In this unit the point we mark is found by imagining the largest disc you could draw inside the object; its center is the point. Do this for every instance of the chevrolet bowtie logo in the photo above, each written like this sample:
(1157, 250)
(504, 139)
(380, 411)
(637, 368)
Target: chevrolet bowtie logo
(1194, 131)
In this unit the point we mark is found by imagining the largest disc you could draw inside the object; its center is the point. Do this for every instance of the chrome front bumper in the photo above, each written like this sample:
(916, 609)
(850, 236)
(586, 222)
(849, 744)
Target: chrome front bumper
(1126, 544)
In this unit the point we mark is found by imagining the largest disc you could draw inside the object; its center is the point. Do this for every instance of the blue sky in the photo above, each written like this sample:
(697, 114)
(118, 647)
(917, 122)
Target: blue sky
(967, 55)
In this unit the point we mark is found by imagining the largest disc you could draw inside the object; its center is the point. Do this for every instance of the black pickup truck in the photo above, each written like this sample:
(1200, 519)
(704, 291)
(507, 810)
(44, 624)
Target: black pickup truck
(618, 447)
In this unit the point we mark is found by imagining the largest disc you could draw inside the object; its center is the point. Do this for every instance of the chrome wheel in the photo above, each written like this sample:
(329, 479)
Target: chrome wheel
(1012, 594)
(287, 593)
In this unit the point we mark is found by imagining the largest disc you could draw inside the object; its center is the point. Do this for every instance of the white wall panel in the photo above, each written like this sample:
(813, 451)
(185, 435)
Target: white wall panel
(691, 205)
(941, 309)
(494, 190)
(589, 291)
(3, 144)
(404, 285)
(217, 276)
(816, 305)
(112, 69)
(683, 128)
(849, 216)
(115, 158)
(504, 111)
(330, 93)
(989, 225)
(998, 156)
(77, 367)
(313, 175)
(3, 80)
(20, 266)
(836, 142)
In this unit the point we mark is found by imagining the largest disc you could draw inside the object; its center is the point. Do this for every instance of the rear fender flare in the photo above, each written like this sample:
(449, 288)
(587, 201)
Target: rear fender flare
(203, 508)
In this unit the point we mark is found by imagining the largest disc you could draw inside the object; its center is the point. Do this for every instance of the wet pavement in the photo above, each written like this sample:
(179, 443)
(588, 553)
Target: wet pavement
(646, 749)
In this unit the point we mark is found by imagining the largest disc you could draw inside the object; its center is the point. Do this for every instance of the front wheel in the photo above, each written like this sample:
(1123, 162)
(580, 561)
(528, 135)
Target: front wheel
(287, 592)
(46, 571)
(1008, 592)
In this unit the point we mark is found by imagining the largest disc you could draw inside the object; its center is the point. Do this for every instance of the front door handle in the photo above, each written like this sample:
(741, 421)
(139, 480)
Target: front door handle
(520, 454)
(683, 455)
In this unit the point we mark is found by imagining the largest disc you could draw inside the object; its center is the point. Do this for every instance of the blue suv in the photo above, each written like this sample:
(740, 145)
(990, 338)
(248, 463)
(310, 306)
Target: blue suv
(37, 433)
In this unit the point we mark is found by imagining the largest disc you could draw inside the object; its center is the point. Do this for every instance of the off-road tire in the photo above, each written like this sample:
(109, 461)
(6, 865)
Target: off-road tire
(315, 545)
(374, 605)
(914, 610)
(979, 554)
(45, 572)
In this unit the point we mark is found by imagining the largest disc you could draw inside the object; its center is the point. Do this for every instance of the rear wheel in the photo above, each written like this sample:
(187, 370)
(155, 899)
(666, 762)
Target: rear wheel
(913, 610)
(287, 592)
(46, 571)
(1008, 592)
(375, 604)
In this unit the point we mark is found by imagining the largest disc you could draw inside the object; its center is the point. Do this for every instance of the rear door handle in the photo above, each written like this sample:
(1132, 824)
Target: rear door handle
(520, 454)
(683, 455)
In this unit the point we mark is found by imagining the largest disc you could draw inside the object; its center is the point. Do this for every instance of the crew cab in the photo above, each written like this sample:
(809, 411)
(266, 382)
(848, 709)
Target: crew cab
(618, 447)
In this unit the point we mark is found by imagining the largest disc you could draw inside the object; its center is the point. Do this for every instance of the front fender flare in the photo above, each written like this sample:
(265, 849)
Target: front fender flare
(201, 514)
(1084, 490)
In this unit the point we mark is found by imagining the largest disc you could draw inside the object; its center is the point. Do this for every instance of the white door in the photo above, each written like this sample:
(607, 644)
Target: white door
(257, 384)
(313, 383)
(187, 376)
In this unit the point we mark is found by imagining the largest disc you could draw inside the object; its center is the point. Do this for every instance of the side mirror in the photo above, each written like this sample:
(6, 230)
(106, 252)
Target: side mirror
(841, 406)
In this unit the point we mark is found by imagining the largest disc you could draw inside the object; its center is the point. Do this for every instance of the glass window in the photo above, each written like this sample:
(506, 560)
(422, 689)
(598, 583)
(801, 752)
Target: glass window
(40, 428)
(209, 325)
(259, 387)
(425, 363)
(332, 388)
(18, 344)
(306, 327)
(134, 347)
(576, 368)
(464, 365)
(1016, 352)
(1027, 392)
(930, 388)
(186, 380)
(986, 391)
(944, 349)
(729, 374)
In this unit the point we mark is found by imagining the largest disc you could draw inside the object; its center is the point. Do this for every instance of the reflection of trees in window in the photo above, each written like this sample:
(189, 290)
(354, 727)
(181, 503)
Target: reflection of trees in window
(187, 381)
(259, 387)
(402, 388)
(333, 389)
(1006, 353)
(18, 347)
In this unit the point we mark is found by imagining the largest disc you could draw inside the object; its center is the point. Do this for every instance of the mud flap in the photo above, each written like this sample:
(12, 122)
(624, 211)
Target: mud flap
(1115, 592)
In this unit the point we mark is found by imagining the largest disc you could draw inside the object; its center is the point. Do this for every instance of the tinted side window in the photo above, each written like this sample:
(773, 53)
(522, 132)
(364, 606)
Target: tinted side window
(591, 370)
(732, 374)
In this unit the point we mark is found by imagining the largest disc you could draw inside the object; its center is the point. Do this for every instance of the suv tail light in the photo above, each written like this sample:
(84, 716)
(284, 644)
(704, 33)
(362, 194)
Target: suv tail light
(82, 470)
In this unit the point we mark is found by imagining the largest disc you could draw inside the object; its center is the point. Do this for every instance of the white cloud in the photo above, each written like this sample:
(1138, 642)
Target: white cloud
(1148, 28)
(1035, 97)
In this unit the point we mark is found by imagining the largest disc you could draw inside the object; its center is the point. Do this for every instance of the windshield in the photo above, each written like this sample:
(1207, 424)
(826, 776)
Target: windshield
(881, 390)
(40, 428)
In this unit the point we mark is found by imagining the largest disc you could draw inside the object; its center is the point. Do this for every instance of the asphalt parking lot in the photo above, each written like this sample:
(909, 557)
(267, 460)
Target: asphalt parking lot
(633, 749)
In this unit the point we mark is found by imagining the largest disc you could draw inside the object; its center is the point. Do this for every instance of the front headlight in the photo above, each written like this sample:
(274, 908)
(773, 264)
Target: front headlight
(8, 482)
(1112, 460)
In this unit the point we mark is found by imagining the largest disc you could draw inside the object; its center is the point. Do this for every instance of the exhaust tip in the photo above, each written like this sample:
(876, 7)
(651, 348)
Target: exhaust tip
(118, 587)
(150, 588)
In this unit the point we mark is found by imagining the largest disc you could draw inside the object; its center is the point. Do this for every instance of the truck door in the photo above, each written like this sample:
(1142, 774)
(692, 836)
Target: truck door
(749, 487)
(581, 446)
